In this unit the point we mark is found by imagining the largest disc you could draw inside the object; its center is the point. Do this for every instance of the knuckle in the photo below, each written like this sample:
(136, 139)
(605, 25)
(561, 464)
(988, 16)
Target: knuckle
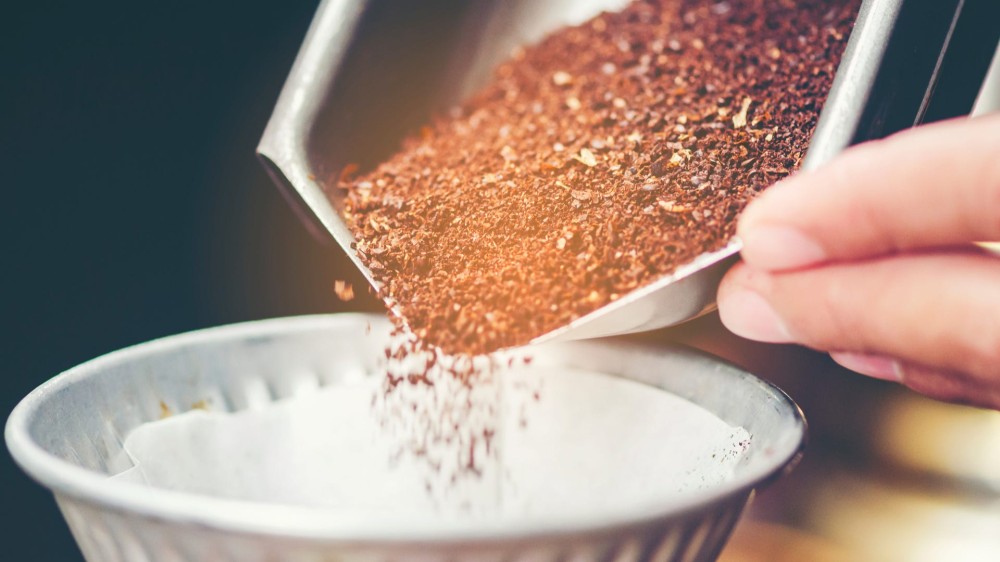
(951, 386)
(840, 325)
(974, 350)
(991, 191)
(935, 386)
(983, 194)
(986, 353)
(986, 338)
(857, 194)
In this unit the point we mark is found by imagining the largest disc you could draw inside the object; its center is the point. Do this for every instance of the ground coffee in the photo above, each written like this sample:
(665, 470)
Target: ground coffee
(595, 162)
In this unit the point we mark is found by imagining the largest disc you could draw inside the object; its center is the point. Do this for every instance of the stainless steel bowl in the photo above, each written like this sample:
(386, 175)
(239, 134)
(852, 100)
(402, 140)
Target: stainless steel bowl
(68, 434)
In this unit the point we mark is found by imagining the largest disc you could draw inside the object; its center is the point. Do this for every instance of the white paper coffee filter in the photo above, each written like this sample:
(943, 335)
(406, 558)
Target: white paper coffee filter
(564, 440)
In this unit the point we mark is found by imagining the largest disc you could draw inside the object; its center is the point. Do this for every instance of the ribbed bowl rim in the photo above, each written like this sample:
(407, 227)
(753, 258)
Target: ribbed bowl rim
(307, 523)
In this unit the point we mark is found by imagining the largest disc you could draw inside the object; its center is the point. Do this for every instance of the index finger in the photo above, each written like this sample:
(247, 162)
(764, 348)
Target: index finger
(932, 186)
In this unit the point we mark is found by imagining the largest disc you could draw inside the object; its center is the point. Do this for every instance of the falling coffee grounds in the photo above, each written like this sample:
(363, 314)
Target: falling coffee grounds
(595, 162)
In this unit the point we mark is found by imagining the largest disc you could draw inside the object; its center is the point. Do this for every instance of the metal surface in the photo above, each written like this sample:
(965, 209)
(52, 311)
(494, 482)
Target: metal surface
(68, 435)
(369, 71)
(907, 62)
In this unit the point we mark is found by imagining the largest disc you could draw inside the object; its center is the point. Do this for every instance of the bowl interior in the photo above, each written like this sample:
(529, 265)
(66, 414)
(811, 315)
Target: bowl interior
(406, 60)
(69, 433)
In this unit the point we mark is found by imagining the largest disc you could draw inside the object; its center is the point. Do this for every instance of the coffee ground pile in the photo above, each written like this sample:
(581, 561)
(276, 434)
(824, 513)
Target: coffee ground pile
(596, 162)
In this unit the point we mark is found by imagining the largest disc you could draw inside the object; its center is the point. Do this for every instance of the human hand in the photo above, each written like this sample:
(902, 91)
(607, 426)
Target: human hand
(872, 258)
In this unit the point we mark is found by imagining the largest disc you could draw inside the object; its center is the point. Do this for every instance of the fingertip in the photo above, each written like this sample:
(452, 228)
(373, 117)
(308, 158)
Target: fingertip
(746, 313)
(873, 365)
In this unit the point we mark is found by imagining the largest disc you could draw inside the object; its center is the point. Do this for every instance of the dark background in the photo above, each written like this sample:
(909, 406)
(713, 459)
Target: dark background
(133, 205)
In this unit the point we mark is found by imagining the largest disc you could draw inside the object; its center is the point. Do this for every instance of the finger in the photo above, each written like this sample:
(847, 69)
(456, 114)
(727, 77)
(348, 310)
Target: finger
(937, 310)
(932, 186)
(950, 386)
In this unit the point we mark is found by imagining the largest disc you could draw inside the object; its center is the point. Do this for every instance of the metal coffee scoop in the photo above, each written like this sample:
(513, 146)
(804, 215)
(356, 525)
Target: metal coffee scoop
(369, 71)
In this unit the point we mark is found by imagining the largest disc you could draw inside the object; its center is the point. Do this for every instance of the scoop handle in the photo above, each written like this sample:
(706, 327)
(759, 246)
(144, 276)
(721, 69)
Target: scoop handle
(908, 62)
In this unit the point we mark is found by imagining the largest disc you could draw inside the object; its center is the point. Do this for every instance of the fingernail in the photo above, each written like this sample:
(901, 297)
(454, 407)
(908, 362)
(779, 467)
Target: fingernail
(779, 247)
(875, 366)
(748, 315)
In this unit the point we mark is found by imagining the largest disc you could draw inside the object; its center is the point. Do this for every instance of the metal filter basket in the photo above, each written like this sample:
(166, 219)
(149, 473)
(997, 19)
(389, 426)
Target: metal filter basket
(68, 434)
